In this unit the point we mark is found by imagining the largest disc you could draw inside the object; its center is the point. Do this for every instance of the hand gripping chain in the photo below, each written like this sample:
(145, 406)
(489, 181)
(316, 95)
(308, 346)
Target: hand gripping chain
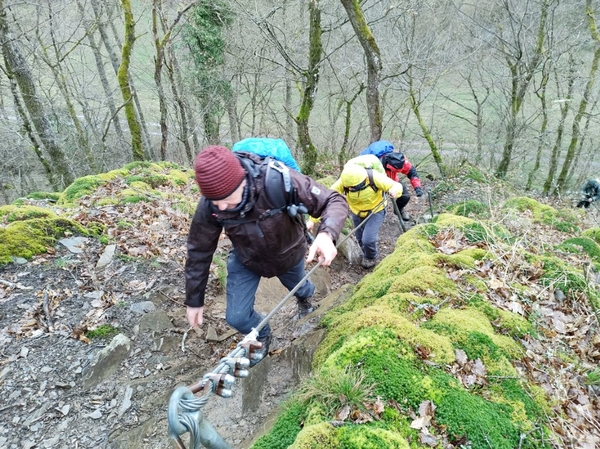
(184, 413)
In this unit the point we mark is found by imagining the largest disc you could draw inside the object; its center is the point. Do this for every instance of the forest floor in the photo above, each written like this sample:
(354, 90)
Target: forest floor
(52, 397)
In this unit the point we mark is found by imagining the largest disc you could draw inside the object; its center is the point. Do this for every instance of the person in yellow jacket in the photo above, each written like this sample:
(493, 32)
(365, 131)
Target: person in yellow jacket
(364, 183)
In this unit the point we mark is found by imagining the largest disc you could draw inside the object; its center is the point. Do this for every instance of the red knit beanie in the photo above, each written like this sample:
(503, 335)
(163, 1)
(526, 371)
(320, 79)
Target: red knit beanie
(218, 172)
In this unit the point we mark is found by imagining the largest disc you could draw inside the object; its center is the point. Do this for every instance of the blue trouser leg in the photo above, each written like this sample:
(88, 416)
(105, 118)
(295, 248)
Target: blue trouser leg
(242, 284)
(367, 235)
(295, 275)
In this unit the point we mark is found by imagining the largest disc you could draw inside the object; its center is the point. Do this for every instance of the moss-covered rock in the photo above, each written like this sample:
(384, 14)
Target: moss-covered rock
(402, 328)
(592, 233)
(563, 220)
(27, 238)
(587, 244)
(143, 178)
(469, 208)
(317, 436)
(13, 212)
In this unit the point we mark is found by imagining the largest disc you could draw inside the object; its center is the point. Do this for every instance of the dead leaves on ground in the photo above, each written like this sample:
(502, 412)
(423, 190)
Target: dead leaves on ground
(568, 344)
(356, 415)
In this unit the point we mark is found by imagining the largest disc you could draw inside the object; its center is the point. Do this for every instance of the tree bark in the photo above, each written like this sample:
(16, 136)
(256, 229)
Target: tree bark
(159, 59)
(108, 94)
(522, 71)
(60, 79)
(437, 157)
(123, 77)
(19, 69)
(575, 129)
(564, 110)
(311, 81)
(374, 65)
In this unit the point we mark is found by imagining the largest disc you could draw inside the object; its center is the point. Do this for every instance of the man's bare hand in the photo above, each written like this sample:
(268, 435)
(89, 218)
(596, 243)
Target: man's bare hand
(194, 316)
(322, 247)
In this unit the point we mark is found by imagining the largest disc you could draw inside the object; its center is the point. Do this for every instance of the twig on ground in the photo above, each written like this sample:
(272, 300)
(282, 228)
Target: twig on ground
(169, 298)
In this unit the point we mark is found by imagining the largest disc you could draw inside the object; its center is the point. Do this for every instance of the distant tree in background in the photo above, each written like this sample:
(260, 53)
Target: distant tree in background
(203, 34)
(17, 68)
(374, 63)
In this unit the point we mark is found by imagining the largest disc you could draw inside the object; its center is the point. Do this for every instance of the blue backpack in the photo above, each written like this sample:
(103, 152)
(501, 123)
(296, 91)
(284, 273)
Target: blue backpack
(379, 148)
(278, 159)
(267, 147)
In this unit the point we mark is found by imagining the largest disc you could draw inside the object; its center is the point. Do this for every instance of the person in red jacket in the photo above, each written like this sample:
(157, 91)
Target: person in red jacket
(396, 163)
(266, 241)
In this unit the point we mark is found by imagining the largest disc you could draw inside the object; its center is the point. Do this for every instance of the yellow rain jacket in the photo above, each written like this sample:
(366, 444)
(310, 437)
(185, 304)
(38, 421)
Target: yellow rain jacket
(363, 201)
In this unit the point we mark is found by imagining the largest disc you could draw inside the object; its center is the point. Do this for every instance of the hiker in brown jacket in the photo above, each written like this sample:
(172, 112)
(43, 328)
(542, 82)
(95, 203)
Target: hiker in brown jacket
(267, 239)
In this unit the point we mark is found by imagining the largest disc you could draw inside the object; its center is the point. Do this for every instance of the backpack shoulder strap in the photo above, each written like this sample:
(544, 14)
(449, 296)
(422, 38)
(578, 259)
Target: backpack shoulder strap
(371, 181)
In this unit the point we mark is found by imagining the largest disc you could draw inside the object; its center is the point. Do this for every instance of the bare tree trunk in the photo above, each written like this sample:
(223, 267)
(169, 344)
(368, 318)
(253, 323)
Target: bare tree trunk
(522, 71)
(564, 110)
(19, 69)
(343, 154)
(29, 129)
(541, 93)
(575, 130)
(234, 124)
(374, 66)
(159, 59)
(437, 157)
(182, 111)
(60, 79)
(103, 79)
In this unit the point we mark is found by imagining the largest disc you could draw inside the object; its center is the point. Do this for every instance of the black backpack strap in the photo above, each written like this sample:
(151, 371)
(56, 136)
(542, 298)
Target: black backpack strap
(371, 182)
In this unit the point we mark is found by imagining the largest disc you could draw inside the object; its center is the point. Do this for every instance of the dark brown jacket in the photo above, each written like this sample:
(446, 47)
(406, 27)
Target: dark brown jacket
(268, 246)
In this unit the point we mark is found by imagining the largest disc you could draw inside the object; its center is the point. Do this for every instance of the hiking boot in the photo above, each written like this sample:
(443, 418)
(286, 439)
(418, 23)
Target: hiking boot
(404, 215)
(261, 353)
(304, 307)
(368, 263)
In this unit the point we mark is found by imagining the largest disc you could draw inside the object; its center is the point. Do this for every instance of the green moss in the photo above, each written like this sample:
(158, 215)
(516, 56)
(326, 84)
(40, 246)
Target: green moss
(317, 436)
(30, 237)
(469, 329)
(423, 279)
(576, 244)
(592, 233)
(327, 181)
(51, 196)
(138, 165)
(286, 428)
(469, 208)
(12, 213)
(367, 437)
(508, 322)
(476, 175)
(563, 221)
(102, 332)
(401, 377)
(559, 274)
(344, 340)
(453, 221)
(82, 186)
(152, 180)
(132, 199)
(220, 260)
(489, 233)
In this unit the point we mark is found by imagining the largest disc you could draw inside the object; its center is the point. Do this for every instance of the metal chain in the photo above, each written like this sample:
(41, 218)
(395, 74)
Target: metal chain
(184, 412)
